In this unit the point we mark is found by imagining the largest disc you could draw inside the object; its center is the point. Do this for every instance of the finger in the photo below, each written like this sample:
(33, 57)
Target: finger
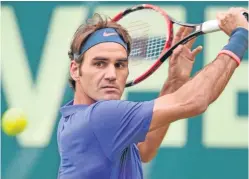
(178, 35)
(178, 50)
(221, 19)
(186, 32)
(238, 9)
(190, 43)
(243, 10)
(220, 15)
(196, 51)
(174, 56)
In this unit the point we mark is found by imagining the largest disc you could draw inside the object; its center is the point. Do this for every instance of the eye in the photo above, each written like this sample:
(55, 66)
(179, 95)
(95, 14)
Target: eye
(99, 64)
(120, 65)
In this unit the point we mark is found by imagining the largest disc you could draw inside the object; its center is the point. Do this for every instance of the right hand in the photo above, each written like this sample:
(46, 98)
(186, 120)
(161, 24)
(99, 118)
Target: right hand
(183, 57)
(232, 19)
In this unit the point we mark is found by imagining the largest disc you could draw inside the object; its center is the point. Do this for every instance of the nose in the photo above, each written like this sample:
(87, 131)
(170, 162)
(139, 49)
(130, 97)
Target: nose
(110, 74)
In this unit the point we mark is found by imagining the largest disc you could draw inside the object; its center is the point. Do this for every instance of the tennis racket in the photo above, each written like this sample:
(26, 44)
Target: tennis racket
(152, 38)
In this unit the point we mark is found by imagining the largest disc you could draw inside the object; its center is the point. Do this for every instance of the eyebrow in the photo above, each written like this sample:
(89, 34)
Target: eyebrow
(106, 59)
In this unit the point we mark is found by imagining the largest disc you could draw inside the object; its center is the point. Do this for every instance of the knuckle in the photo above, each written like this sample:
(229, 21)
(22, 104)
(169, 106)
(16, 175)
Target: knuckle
(175, 52)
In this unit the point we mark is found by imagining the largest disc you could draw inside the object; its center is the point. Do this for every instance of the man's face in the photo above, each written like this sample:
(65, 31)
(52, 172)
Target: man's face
(104, 72)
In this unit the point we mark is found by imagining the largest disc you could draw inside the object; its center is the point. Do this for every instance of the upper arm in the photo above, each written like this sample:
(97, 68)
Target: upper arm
(117, 124)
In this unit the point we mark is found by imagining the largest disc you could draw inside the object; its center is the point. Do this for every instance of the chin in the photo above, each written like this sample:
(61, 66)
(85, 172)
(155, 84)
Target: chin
(110, 97)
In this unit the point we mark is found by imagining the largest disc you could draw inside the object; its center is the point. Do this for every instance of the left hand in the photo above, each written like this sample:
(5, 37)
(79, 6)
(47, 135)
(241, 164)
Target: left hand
(182, 59)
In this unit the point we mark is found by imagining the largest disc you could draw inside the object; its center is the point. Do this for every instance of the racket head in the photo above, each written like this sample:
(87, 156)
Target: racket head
(150, 39)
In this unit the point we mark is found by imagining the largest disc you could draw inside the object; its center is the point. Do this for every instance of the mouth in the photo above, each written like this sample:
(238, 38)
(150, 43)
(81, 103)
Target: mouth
(110, 88)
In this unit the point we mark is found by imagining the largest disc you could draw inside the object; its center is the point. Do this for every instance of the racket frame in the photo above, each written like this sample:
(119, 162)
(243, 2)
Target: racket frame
(198, 29)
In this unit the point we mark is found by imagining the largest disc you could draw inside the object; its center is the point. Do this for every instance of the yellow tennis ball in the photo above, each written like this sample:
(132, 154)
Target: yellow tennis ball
(14, 121)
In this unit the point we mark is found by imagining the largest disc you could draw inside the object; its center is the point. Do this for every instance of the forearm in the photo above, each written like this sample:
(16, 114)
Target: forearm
(148, 148)
(221, 69)
(194, 96)
(221, 83)
(170, 86)
(153, 140)
(236, 48)
(206, 86)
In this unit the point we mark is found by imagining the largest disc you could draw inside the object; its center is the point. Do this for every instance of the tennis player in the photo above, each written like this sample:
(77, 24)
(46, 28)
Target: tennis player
(103, 137)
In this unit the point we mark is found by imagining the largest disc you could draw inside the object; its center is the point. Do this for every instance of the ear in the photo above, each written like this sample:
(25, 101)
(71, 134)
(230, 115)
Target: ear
(74, 70)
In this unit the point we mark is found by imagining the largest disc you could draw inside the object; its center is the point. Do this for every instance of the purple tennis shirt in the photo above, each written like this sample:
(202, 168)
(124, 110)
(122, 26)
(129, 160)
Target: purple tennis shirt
(98, 141)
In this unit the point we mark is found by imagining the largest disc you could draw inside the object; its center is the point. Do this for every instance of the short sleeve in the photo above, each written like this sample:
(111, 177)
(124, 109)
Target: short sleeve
(117, 124)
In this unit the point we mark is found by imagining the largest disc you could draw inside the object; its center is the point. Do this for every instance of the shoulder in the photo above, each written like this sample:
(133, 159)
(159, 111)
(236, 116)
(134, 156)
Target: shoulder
(119, 104)
(108, 103)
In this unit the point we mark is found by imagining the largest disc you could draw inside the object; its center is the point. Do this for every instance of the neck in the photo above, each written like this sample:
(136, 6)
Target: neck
(80, 97)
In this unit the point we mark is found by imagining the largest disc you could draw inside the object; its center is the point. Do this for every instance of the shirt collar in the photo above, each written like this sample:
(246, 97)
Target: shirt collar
(70, 109)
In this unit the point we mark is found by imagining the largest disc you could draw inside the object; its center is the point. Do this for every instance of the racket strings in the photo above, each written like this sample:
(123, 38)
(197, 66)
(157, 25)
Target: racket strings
(155, 47)
(148, 31)
(139, 33)
(147, 41)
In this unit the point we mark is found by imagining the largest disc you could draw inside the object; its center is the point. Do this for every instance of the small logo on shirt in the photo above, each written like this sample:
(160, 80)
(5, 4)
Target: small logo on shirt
(105, 34)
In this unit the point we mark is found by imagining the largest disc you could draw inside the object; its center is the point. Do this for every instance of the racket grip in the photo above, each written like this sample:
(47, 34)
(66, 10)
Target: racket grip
(210, 26)
(213, 25)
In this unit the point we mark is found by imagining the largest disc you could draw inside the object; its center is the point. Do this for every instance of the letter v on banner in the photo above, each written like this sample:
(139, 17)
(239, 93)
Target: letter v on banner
(42, 99)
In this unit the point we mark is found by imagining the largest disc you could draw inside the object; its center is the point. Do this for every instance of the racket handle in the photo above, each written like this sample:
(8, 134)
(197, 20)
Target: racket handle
(210, 26)
(213, 25)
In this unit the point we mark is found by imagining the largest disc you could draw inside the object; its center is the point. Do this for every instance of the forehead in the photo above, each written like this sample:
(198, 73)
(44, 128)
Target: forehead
(107, 50)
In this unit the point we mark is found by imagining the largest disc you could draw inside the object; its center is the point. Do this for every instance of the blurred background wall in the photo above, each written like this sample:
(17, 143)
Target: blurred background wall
(35, 38)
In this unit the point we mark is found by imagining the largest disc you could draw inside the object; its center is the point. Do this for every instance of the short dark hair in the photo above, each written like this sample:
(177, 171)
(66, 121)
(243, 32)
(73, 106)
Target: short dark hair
(85, 30)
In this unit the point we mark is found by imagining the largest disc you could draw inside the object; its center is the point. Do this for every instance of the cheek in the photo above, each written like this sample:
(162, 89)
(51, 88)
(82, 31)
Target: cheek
(123, 78)
(91, 78)
(126, 73)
